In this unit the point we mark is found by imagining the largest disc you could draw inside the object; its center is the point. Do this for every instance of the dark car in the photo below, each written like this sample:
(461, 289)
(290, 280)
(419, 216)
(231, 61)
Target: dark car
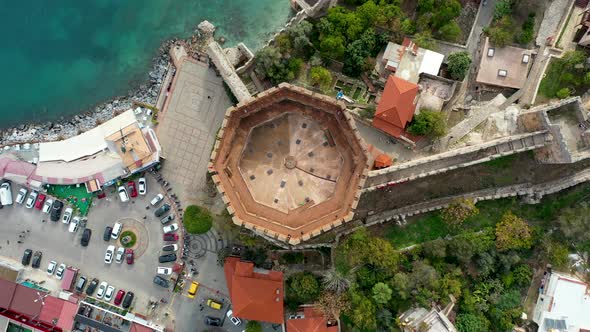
(56, 210)
(167, 258)
(161, 281)
(36, 259)
(129, 256)
(107, 233)
(167, 219)
(128, 299)
(212, 321)
(162, 210)
(92, 287)
(86, 237)
(170, 237)
(170, 247)
(27, 257)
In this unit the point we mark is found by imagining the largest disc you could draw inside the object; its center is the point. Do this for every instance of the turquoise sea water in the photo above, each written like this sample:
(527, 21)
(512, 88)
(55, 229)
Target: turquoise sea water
(59, 57)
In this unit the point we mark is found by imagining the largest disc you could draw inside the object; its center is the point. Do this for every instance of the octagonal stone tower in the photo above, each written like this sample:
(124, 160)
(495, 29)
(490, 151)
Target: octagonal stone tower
(289, 164)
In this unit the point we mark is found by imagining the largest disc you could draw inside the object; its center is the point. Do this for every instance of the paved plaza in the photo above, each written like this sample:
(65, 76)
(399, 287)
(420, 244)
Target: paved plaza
(188, 125)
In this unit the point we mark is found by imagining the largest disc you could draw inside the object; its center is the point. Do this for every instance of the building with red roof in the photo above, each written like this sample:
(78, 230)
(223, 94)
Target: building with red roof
(310, 320)
(396, 107)
(255, 294)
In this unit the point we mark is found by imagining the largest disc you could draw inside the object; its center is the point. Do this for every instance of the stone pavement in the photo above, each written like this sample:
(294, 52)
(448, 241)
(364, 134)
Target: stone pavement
(553, 17)
(188, 127)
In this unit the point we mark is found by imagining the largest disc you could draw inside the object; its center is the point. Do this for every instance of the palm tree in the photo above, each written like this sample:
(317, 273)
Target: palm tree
(338, 280)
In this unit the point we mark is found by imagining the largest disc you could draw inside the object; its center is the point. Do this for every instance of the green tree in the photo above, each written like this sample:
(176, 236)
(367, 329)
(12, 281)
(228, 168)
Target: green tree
(299, 34)
(557, 253)
(458, 65)
(362, 313)
(472, 323)
(436, 249)
(428, 123)
(320, 76)
(270, 64)
(402, 285)
(445, 12)
(458, 211)
(381, 293)
(513, 232)
(303, 287)
(253, 326)
(368, 112)
(503, 8)
(332, 47)
(197, 220)
(450, 32)
(528, 30)
(361, 249)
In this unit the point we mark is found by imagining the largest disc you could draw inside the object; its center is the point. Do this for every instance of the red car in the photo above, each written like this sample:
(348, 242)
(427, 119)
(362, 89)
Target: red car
(40, 201)
(171, 237)
(132, 188)
(129, 256)
(119, 297)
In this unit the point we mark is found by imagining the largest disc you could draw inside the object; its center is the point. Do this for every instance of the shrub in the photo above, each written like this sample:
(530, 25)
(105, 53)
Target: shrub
(502, 32)
(428, 123)
(458, 211)
(197, 220)
(563, 93)
(253, 326)
(368, 112)
(450, 32)
(131, 243)
(458, 65)
(528, 30)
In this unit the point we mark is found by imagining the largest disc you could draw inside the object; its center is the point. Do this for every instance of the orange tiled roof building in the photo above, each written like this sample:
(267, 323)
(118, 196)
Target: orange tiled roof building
(254, 295)
(396, 107)
(312, 321)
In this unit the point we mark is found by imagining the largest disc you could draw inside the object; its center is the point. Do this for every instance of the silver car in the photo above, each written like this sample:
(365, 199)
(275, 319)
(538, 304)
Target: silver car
(31, 199)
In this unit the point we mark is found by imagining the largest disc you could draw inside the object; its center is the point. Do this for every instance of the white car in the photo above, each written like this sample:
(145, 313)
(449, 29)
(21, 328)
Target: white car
(235, 320)
(31, 199)
(74, 224)
(164, 271)
(120, 254)
(22, 194)
(47, 206)
(157, 199)
(60, 271)
(142, 186)
(5, 194)
(67, 215)
(51, 267)
(108, 255)
(101, 289)
(108, 295)
(123, 196)
(170, 228)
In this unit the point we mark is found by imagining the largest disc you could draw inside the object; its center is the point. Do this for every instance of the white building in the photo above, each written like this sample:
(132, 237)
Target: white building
(407, 61)
(563, 304)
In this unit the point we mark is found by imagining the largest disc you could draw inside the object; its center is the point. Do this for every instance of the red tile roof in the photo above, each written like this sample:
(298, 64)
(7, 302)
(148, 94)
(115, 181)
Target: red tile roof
(314, 321)
(52, 309)
(396, 107)
(254, 295)
(7, 289)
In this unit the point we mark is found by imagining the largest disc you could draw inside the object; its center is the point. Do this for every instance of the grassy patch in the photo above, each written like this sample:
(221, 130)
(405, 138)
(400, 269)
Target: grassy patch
(427, 227)
(77, 196)
(132, 241)
(502, 162)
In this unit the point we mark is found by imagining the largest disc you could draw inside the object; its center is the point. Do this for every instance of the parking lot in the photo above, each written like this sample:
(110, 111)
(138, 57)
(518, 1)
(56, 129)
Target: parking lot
(56, 243)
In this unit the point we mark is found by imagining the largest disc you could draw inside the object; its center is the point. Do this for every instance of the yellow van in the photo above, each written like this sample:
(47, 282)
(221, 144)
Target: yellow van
(213, 304)
(192, 291)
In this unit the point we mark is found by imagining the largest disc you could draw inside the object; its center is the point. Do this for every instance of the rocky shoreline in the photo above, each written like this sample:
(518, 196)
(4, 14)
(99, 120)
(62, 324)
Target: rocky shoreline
(147, 93)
